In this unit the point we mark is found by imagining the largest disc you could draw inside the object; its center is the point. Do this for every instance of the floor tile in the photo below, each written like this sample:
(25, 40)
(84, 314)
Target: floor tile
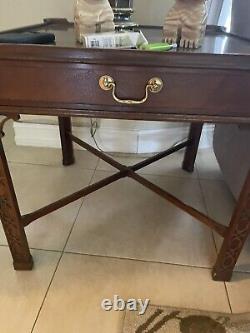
(73, 303)
(219, 200)
(22, 293)
(220, 204)
(37, 186)
(238, 291)
(168, 166)
(43, 156)
(207, 165)
(127, 220)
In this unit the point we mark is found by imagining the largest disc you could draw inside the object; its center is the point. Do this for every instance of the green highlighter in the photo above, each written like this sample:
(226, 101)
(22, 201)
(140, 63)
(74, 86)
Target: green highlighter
(158, 47)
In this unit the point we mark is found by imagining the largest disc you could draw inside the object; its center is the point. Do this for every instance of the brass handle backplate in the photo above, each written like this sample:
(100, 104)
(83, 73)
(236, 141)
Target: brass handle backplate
(154, 86)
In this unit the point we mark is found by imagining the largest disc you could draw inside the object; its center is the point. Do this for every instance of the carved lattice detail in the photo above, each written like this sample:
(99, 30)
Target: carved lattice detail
(10, 215)
(9, 220)
(240, 232)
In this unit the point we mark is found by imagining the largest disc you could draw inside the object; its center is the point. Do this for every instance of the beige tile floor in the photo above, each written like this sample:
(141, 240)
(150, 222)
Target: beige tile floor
(121, 240)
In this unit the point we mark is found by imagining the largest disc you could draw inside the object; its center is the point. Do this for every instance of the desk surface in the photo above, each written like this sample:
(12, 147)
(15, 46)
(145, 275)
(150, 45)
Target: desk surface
(214, 43)
(235, 51)
(217, 43)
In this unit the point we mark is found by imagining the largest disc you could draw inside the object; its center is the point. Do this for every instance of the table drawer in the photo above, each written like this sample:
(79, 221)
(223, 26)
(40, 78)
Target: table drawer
(76, 86)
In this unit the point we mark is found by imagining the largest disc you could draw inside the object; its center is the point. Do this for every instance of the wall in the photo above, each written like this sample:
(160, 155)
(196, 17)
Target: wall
(151, 12)
(15, 13)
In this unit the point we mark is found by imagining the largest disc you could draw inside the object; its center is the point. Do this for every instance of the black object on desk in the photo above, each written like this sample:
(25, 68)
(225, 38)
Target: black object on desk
(27, 38)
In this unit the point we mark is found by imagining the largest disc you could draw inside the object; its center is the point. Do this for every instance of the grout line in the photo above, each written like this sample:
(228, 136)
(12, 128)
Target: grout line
(126, 258)
(206, 207)
(78, 212)
(167, 175)
(228, 298)
(105, 170)
(46, 165)
(60, 258)
(46, 293)
(45, 250)
(36, 249)
(98, 163)
(136, 260)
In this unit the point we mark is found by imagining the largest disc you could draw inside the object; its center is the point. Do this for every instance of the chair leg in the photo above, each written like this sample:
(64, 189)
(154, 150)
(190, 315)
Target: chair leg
(66, 141)
(192, 149)
(11, 218)
(234, 241)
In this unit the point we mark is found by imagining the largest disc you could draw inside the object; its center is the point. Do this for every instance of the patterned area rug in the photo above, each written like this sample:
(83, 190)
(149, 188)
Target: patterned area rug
(171, 320)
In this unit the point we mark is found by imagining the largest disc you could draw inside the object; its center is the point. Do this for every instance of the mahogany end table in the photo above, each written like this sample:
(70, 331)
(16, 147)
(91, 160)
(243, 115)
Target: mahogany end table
(211, 84)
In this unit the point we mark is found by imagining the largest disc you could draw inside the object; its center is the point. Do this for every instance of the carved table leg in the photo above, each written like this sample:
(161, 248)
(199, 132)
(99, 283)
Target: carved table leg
(11, 218)
(238, 232)
(66, 141)
(192, 149)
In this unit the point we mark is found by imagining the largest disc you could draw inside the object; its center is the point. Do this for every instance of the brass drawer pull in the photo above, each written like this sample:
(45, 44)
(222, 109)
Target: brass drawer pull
(154, 85)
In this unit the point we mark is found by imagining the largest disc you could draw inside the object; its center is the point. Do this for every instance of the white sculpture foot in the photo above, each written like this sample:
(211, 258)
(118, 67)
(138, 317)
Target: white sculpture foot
(186, 21)
(93, 16)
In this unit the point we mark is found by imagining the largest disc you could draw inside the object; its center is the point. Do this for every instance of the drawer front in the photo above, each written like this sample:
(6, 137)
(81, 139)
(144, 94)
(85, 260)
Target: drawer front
(76, 86)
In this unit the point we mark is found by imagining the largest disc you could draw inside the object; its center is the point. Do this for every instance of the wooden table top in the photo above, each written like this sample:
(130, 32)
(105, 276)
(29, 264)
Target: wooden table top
(235, 51)
(214, 43)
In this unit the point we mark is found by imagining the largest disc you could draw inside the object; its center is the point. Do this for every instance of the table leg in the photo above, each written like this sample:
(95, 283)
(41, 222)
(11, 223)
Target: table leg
(192, 148)
(234, 241)
(66, 141)
(11, 218)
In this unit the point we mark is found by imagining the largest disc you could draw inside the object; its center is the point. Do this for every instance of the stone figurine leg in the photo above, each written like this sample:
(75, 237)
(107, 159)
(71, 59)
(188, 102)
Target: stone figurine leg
(234, 241)
(11, 218)
(66, 141)
(171, 26)
(192, 149)
(191, 37)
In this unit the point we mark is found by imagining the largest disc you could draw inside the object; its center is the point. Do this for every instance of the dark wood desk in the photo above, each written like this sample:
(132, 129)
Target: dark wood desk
(211, 84)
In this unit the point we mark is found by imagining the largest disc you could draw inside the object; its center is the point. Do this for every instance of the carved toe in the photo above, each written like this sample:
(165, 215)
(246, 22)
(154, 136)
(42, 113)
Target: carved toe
(170, 40)
(189, 43)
